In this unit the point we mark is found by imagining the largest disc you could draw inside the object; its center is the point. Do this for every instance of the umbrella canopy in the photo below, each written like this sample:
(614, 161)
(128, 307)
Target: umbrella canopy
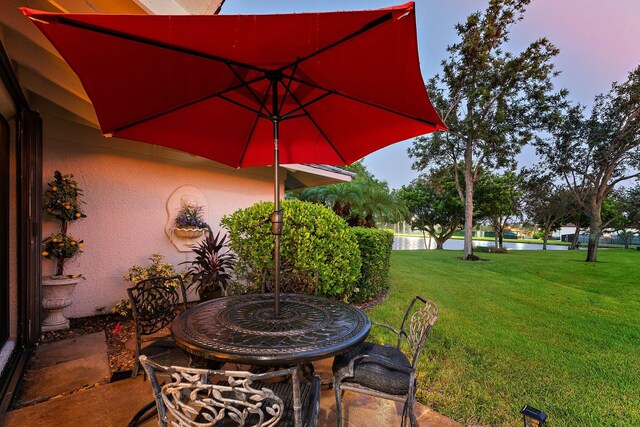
(252, 90)
(349, 83)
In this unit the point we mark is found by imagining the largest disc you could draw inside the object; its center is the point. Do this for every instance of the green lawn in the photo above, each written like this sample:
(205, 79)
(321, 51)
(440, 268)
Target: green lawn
(541, 328)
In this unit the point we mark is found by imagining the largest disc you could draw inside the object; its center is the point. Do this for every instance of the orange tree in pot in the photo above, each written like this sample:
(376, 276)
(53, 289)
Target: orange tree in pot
(62, 203)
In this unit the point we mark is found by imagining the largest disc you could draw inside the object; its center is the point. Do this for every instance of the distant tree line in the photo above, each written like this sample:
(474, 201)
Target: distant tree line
(494, 102)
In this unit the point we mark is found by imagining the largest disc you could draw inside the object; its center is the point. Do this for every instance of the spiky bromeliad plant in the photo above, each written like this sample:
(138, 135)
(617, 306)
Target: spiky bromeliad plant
(190, 216)
(210, 271)
(62, 203)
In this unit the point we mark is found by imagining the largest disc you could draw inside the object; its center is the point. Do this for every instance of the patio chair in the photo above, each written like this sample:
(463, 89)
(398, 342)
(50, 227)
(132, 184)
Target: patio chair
(385, 371)
(292, 280)
(199, 397)
(154, 303)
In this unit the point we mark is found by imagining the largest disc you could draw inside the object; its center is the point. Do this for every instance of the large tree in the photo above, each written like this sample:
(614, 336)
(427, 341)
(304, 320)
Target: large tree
(492, 100)
(499, 201)
(595, 153)
(433, 205)
(545, 203)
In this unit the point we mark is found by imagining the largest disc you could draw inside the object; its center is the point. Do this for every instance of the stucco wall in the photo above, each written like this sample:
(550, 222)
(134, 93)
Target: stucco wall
(126, 186)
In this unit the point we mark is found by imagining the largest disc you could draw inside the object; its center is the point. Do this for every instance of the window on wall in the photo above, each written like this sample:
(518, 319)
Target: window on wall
(4, 230)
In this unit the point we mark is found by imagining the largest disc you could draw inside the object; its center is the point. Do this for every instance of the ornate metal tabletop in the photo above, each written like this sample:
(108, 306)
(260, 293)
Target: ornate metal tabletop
(244, 329)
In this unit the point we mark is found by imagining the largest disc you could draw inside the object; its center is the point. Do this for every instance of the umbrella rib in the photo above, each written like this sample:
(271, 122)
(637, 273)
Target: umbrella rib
(291, 115)
(287, 87)
(381, 20)
(246, 145)
(389, 110)
(255, 123)
(119, 34)
(362, 101)
(246, 107)
(248, 87)
(195, 101)
(230, 63)
(324, 135)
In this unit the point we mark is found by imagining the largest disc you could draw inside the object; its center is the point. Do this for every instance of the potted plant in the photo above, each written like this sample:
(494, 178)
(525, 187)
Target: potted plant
(189, 223)
(62, 203)
(158, 268)
(210, 271)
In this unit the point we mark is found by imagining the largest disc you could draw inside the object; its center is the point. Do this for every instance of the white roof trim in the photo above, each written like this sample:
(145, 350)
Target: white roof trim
(321, 170)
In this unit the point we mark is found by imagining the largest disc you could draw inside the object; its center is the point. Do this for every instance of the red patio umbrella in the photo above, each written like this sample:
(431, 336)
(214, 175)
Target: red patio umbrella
(252, 90)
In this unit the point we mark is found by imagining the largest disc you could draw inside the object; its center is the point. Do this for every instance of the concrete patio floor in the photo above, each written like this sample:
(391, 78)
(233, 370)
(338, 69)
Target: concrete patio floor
(67, 385)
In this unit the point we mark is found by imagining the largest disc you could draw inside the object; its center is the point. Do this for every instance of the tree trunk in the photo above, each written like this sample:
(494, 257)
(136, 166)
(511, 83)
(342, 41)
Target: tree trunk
(60, 266)
(468, 210)
(495, 238)
(594, 234)
(544, 242)
(576, 238)
(500, 238)
(439, 243)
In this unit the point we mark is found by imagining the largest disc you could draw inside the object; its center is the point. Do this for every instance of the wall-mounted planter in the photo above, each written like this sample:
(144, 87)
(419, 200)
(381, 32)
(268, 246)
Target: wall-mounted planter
(188, 233)
(185, 238)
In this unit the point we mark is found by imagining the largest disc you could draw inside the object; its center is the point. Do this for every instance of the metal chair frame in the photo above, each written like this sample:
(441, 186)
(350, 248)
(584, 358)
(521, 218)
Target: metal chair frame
(154, 303)
(204, 397)
(414, 331)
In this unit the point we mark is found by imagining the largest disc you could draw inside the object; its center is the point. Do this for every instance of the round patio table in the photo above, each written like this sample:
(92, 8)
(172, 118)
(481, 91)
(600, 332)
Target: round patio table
(244, 329)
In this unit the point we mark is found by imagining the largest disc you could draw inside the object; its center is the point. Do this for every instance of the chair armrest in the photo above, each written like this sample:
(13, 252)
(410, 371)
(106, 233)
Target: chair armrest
(382, 325)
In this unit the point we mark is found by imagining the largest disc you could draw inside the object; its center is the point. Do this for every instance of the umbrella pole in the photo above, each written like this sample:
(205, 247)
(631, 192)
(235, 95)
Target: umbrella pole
(276, 219)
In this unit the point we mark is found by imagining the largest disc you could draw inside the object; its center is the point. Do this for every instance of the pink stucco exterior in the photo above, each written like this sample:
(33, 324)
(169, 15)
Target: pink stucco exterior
(126, 187)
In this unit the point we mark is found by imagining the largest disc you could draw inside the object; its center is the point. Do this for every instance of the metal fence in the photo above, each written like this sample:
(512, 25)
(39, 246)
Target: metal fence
(613, 240)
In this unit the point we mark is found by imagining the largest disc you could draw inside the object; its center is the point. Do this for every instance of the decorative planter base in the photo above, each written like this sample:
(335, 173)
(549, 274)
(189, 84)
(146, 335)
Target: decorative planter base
(188, 233)
(56, 295)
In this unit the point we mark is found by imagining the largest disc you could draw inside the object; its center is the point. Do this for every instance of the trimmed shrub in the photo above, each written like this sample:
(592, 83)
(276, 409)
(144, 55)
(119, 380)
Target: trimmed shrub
(375, 251)
(313, 238)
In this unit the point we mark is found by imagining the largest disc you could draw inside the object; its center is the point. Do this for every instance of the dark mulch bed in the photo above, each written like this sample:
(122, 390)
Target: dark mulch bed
(368, 305)
(117, 331)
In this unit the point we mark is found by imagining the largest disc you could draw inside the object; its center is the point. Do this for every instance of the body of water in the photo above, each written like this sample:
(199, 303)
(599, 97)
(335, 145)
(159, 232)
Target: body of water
(417, 242)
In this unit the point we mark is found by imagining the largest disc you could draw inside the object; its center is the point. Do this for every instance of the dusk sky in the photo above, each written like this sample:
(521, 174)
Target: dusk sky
(598, 44)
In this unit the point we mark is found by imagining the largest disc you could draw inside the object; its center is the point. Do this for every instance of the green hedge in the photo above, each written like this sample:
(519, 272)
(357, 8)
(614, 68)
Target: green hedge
(375, 251)
(313, 238)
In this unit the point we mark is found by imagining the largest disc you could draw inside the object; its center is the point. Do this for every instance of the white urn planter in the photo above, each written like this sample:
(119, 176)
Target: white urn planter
(56, 295)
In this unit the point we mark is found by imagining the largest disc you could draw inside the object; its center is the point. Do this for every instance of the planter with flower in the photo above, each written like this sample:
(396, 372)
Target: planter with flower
(62, 203)
(158, 268)
(189, 223)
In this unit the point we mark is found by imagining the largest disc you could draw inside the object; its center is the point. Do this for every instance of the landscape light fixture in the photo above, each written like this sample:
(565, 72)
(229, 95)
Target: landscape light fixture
(533, 417)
